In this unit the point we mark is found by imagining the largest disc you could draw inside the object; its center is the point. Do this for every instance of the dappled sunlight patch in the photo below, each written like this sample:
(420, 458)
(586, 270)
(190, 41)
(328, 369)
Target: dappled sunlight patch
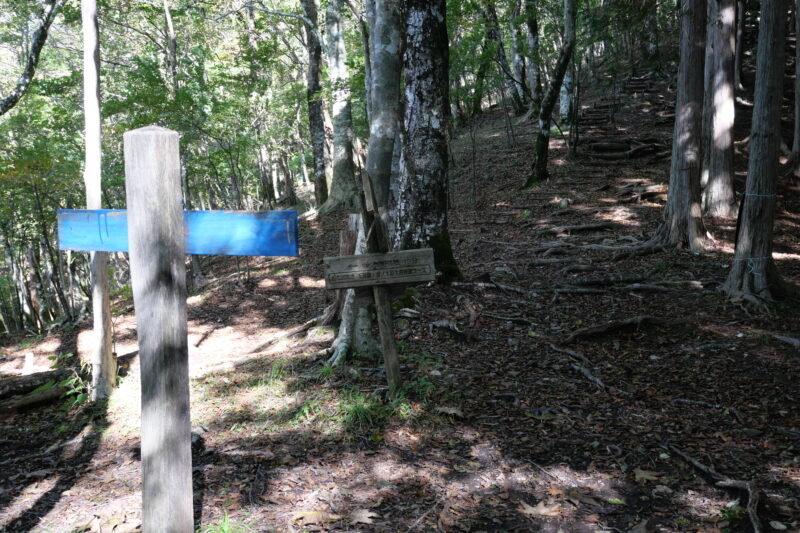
(311, 283)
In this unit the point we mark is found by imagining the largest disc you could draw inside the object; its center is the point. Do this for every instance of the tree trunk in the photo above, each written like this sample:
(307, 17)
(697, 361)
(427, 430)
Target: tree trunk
(565, 108)
(796, 139)
(316, 121)
(386, 43)
(104, 372)
(741, 12)
(719, 199)
(51, 9)
(493, 34)
(343, 190)
(517, 60)
(542, 148)
(754, 276)
(480, 79)
(683, 224)
(533, 68)
(708, 96)
(421, 208)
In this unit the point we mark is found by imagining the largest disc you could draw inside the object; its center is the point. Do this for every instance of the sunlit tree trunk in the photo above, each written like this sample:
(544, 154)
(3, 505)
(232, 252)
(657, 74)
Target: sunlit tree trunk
(421, 207)
(683, 224)
(316, 121)
(542, 147)
(103, 363)
(386, 44)
(753, 276)
(719, 199)
(343, 190)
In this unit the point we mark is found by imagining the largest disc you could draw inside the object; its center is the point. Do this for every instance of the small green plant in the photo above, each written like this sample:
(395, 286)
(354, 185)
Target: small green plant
(360, 412)
(732, 512)
(123, 292)
(226, 525)
(324, 372)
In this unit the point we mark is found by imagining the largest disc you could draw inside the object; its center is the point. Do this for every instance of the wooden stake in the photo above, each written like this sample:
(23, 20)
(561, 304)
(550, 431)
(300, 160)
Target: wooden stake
(156, 245)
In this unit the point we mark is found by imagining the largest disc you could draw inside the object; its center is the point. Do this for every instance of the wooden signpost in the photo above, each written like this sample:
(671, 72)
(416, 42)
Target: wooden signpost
(378, 270)
(157, 233)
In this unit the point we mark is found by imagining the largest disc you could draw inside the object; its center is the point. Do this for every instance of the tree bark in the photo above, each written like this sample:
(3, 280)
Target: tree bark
(741, 12)
(719, 199)
(51, 9)
(683, 223)
(316, 121)
(542, 147)
(754, 276)
(533, 68)
(796, 139)
(386, 44)
(343, 192)
(104, 373)
(493, 34)
(517, 59)
(421, 207)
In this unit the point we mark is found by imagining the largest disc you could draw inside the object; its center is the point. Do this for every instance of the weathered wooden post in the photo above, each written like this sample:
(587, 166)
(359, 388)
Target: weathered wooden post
(157, 232)
(156, 247)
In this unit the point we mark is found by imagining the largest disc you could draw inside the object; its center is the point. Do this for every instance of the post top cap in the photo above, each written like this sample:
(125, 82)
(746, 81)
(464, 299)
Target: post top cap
(151, 130)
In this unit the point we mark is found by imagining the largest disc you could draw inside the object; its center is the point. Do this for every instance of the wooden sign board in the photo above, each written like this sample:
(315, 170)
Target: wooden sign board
(368, 270)
(265, 233)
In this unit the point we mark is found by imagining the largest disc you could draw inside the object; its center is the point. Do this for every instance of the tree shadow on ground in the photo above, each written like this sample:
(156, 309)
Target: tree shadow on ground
(62, 453)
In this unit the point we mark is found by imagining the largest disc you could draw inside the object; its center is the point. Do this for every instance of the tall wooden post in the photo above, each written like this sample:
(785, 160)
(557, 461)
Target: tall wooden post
(156, 246)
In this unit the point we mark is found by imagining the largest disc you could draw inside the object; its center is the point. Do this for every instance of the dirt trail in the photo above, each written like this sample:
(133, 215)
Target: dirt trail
(561, 399)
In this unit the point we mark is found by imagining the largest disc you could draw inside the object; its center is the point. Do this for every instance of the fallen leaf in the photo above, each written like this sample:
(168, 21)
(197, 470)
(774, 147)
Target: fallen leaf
(453, 411)
(314, 517)
(541, 509)
(641, 527)
(645, 475)
(780, 526)
(577, 496)
(363, 516)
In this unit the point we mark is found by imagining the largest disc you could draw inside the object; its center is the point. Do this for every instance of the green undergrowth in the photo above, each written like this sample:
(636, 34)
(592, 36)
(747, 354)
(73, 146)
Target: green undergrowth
(303, 395)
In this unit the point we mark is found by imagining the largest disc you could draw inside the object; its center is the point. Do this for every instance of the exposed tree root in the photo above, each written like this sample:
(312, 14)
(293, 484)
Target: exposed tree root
(753, 494)
(735, 412)
(564, 230)
(614, 325)
(612, 279)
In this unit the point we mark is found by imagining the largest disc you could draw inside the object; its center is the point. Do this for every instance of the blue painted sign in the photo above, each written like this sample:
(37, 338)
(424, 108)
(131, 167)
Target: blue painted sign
(270, 233)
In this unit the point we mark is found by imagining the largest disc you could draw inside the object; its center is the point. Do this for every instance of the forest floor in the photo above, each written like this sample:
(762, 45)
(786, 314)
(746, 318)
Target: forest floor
(562, 389)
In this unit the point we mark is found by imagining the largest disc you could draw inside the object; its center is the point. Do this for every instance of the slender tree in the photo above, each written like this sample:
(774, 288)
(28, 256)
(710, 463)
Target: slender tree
(542, 146)
(49, 12)
(683, 224)
(103, 362)
(316, 120)
(493, 34)
(385, 45)
(533, 68)
(421, 207)
(343, 189)
(754, 276)
(719, 199)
